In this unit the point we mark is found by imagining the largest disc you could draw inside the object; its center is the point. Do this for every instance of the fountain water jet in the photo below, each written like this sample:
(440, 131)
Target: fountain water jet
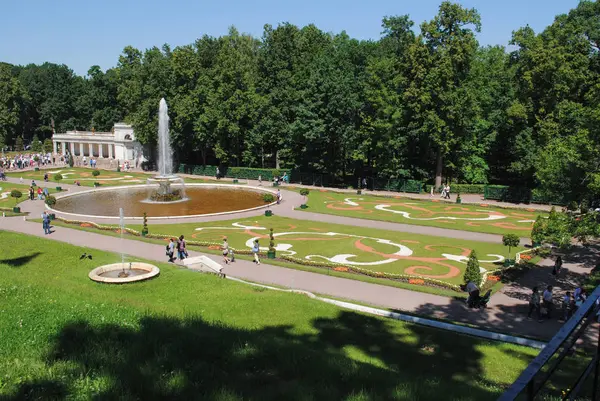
(170, 188)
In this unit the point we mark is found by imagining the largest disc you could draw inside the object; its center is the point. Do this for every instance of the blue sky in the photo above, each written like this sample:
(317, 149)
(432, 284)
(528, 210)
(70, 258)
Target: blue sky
(82, 33)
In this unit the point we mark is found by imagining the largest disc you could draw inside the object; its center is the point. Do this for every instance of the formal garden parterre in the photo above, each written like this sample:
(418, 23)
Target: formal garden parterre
(483, 217)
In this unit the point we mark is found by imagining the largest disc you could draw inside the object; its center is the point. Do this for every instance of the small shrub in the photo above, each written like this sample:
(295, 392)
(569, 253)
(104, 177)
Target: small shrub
(50, 200)
(145, 225)
(58, 177)
(271, 241)
(572, 206)
(268, 198)
(96, 173)
(511, 241)
(15, 193)
(472, 272)
(304, 192)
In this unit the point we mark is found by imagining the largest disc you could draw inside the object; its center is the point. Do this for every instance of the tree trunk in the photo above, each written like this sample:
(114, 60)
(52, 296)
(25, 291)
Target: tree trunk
(277, 159)
(203, 152)
(438, 169)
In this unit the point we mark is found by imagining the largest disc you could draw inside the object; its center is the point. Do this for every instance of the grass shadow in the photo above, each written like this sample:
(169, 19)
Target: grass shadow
(187, 359)
(20, 261)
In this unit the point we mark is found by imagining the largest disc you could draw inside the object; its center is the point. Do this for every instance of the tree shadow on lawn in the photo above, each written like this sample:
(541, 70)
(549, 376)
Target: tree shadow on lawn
(21, 260)
(168, 358)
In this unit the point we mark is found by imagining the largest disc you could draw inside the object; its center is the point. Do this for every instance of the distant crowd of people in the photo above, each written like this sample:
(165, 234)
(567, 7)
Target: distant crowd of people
(28, 160)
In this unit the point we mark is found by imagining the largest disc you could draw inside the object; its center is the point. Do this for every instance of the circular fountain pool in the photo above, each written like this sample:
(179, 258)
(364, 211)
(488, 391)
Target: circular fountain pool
(120, 273)
(201, 200)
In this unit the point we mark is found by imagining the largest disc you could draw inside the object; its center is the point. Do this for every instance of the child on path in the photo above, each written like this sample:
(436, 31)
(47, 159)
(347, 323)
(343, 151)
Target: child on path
(255, 251)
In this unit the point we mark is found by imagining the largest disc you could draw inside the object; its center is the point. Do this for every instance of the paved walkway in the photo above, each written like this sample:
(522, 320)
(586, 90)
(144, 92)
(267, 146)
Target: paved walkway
(506, 311)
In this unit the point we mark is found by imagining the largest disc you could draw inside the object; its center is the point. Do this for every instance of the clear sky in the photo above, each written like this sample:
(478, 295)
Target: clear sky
(81, 33)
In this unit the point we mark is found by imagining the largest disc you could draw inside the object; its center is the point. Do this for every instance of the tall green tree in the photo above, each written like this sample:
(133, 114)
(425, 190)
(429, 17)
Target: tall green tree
(11, 101)
(440, 105)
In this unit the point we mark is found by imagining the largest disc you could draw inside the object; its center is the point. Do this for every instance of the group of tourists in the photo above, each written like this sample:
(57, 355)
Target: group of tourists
(543, 306)
(179, 245)
(29, 160)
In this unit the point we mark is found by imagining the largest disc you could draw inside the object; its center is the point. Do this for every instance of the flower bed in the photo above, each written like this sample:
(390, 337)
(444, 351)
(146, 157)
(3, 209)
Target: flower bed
(365, 272)
(416, 280)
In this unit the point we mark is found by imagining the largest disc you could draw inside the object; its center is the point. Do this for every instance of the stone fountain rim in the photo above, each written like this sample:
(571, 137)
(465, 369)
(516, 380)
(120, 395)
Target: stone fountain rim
(152, 271)
(189, 216)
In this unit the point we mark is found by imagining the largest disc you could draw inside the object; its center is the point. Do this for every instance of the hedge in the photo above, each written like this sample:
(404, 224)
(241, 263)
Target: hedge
(245, 173)
(398, 185)
(520, 195)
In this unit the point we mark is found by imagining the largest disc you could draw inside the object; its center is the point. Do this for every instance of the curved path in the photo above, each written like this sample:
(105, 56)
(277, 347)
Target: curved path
(291, 200)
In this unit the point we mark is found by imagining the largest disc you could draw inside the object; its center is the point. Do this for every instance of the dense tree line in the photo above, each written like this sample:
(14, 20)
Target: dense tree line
(425, 103)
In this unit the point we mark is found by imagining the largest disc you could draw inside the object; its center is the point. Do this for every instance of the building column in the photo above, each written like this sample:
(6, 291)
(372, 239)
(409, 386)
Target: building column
(110, 150)
(54, 147)
(100, 150)
(72, 148)
(80, 149)
(64, 148)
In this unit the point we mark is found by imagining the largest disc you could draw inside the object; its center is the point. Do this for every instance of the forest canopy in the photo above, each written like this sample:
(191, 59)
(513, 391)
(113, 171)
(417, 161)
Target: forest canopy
(423, 102)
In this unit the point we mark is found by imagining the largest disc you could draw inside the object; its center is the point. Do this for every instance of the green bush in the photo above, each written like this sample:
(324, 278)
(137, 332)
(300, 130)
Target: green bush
(15, 193)
(304, 192)
(511, 241)
(50, 200)
(245, 173)
(58, 177)
(472, 272)
(467, 188)
(271, 241)
(268, 198)
(96, 173)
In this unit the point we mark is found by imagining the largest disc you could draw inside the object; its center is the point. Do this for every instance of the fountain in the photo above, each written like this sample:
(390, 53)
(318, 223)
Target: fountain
(166, 187)
(118, 273)
(164, 195)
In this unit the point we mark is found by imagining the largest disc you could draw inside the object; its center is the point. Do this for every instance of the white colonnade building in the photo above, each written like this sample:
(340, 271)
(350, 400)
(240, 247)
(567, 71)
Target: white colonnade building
(119, 144)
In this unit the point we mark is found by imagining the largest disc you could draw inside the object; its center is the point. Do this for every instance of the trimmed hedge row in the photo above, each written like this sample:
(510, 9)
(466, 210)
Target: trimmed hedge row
(460, 188)
(245, 173)
(520, 195)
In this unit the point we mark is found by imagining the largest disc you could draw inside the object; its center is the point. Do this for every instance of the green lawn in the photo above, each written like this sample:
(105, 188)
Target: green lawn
(6, 187)
(188, 336)
(433, 213)
(373, 250)
(85, 177)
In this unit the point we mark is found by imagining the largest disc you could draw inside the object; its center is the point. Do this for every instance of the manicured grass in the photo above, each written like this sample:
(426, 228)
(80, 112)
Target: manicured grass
(433, 213)
(6, 187)
(84, 176)
(185, 335)
(322, 242)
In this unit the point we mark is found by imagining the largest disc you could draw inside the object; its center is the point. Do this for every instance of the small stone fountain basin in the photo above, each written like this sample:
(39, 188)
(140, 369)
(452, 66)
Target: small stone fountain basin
(137, 271)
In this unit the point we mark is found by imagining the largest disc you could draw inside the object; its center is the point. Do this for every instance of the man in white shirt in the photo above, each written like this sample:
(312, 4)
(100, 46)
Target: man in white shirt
(547, 301)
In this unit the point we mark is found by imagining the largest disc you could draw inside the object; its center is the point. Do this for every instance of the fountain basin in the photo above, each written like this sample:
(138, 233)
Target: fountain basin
(110, 273)
(202, 200)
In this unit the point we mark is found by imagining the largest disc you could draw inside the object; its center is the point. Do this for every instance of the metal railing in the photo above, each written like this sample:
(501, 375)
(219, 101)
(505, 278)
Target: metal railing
(533, 379)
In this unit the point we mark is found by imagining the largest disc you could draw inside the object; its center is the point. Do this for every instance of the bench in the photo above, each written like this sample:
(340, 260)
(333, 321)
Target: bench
(203, 264)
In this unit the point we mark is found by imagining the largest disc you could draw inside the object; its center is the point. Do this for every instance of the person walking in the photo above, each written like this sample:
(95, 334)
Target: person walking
(557, 266)
(225, 249)
(260, 180)
(547, 301)
(171, 250)
(534, 304)
(255, 251)
(279, 198)
(181, 248)
(566, 305)
(46, 223)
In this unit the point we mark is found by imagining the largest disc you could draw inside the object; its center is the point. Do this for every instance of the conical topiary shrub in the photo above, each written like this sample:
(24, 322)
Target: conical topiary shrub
(472, 272)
